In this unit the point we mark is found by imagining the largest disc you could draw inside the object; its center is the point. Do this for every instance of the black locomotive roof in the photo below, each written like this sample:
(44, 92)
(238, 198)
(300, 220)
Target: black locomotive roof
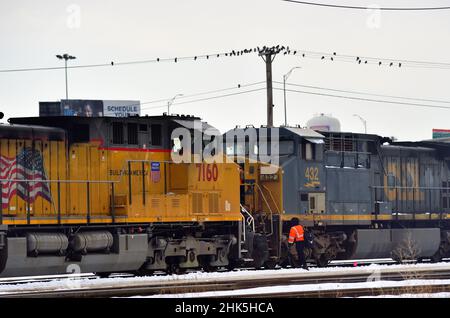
(440, 145)
(83, 129)
(59, 121)
(14, 131)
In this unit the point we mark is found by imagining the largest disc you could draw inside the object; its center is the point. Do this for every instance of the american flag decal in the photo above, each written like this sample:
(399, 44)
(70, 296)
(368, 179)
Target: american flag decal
(27, 165)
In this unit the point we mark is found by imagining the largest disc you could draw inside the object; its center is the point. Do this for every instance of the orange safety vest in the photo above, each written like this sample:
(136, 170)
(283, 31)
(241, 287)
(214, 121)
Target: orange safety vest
(296, 234)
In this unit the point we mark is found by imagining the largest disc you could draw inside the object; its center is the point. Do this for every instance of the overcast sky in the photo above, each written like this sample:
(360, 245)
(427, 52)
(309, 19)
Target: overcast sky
(33, 32)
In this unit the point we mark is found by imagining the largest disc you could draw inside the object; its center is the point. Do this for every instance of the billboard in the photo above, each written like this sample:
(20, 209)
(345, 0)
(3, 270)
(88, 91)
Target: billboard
(121, 108)
(90, 108)
(82, 108)
(441, 133)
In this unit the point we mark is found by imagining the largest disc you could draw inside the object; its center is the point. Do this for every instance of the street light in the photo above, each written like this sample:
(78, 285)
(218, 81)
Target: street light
(363, 121)
(66, 57)
(170, 102)
(285, 77)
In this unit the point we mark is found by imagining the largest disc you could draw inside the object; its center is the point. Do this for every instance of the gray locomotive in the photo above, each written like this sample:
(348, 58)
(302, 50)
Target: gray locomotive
(362, 196)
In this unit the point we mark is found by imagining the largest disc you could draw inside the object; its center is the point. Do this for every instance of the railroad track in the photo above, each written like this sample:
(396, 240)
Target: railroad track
(353, 292)
(143, 286)
(49, 278)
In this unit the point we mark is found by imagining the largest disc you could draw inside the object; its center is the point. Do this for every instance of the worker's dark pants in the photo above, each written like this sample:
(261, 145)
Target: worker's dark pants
(300, 246)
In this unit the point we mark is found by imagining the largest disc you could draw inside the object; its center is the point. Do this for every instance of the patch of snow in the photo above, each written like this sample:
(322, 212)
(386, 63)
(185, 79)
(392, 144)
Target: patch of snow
(287, 289)
(435, 295)
(75, 282)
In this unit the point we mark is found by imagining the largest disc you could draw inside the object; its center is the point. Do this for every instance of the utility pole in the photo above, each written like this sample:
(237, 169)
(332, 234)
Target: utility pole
(268, 55)
(170, 102)
(285, 77)
(363, 121)
(66, 57)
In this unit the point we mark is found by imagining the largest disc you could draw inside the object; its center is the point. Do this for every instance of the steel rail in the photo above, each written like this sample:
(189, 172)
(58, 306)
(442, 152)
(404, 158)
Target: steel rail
(168, 287)
(354, 292)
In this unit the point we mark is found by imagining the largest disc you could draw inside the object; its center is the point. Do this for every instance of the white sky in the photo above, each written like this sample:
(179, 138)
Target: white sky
(32, 32)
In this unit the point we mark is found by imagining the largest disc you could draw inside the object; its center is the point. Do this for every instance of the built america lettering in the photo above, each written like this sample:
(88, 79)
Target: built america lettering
(136, 172)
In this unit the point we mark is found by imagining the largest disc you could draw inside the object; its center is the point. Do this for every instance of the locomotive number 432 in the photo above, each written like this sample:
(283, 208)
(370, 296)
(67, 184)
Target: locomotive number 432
(207, 172)
(312, 174)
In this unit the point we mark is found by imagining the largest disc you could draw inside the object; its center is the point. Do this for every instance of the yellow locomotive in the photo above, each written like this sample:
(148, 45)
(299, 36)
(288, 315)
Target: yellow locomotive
(103, 195)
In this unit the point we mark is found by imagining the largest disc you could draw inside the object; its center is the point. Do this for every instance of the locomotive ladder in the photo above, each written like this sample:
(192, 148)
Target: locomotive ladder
(268, 206)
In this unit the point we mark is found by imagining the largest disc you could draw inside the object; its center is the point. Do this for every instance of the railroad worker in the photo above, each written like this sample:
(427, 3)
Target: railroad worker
(297, 237)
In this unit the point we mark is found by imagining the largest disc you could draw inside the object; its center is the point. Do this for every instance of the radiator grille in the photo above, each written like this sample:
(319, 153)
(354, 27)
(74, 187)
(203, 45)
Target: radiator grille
(197, 203)
(213, 202)
(175, 203)
(155, 203)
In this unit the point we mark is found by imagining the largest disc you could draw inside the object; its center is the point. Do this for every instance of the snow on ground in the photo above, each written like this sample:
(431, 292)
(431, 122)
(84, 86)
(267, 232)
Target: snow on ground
(436, 295)
(287, 289)
(75, 283)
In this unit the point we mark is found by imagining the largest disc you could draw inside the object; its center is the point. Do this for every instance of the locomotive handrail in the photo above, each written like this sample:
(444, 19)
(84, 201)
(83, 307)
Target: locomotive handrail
(425, 206)
(60, 181)
(251, 221)
(271, 196)
(270, 209)
(403, 187)
(350, 152)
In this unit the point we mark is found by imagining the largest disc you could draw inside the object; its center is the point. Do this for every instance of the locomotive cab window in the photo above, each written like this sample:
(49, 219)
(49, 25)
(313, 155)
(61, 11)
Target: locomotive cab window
(312, 149)
(117, 133)
(156, 134)
(132, 134)
(80, 133)
(312, 203)
(308, 150)
(286, 147)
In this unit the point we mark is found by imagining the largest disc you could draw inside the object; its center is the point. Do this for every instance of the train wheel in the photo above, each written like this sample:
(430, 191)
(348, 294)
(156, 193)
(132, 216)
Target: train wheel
(103, 274)
(144, 272)
(436, 257)
(176, 270)
(322, 261)
(271, 264)
(285, 262)
(208, 268)
(232, 264)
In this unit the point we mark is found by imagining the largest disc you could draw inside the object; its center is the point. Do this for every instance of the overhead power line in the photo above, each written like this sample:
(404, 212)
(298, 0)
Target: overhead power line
(207, 98)
(366, 99)
(365, 8)
(364, 60)
(285, 50)
(238, 86)
(144, 61)
(366, 93)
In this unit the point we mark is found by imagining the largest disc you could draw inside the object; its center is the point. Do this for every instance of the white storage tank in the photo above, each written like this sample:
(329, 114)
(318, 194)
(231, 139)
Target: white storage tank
(322, 122)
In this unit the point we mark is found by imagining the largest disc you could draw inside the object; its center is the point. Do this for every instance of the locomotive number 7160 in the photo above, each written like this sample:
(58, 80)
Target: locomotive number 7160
(207, 172)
